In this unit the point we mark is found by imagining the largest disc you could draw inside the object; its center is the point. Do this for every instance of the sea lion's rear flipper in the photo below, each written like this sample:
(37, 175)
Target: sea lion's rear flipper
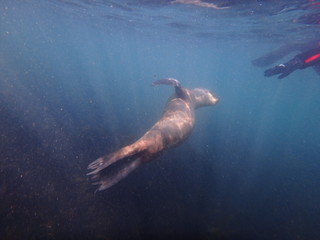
(110, 169)
(108, 180)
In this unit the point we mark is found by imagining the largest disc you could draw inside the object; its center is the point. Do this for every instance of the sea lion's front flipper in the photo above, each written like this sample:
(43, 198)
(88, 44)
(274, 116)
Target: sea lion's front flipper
(171, 82)
(167, 81)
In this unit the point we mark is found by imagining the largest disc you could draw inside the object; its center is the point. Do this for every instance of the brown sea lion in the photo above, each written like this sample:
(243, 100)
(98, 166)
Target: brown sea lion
(174, 127)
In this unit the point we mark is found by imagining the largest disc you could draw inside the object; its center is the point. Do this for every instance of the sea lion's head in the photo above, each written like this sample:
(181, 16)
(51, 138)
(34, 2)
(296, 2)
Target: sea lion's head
(204, 97)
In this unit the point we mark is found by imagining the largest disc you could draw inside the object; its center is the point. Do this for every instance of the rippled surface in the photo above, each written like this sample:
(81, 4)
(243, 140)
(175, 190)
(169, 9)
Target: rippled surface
(262, 20)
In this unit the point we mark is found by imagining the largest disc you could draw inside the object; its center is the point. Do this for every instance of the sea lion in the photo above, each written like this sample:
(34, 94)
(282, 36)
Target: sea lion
(174, 127)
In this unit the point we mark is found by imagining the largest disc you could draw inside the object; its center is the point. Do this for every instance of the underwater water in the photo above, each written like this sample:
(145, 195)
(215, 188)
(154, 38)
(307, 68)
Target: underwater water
(75, 84)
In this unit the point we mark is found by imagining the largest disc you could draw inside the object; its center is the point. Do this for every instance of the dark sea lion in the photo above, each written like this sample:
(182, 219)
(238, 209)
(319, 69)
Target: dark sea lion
(174, 127)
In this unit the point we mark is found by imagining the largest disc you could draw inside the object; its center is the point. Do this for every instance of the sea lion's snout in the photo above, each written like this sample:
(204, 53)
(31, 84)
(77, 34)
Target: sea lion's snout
(204, 97)
(212, 98)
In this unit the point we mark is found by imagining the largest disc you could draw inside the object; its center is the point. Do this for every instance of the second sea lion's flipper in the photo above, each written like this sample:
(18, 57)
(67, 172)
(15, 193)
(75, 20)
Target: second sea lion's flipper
(316, 68)
(167, 81)
(275, 55)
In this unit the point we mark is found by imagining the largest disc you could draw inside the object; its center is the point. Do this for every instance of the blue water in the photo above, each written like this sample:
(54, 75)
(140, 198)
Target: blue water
(75, 84)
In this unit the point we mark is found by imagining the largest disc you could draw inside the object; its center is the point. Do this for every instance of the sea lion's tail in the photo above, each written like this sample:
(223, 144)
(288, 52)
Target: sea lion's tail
(167, 81)
(110, 169)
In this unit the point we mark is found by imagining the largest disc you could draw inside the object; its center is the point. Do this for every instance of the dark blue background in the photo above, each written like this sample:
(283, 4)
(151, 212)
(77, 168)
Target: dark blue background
(75, 85)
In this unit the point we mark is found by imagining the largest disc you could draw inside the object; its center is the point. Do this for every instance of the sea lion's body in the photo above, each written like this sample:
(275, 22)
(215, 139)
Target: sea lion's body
(174, 127)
